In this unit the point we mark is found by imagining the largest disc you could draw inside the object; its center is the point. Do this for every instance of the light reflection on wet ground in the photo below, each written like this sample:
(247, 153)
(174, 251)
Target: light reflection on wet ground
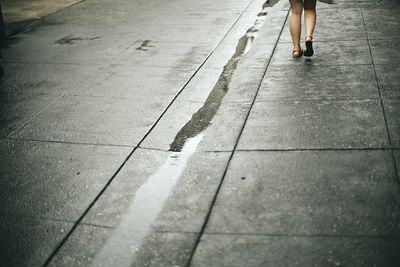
(148, 201)
(202, 118)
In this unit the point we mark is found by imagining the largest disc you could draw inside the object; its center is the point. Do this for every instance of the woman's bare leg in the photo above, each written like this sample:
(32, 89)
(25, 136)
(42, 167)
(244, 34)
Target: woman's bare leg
(295, 24)
(310, 17)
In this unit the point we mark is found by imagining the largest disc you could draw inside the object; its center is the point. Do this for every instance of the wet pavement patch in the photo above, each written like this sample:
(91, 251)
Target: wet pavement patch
(202, 118)
(70, 40)
(145, 208)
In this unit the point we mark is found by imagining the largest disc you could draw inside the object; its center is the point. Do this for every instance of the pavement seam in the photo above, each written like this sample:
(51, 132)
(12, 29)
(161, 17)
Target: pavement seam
(298, 235)
(80, 219)
(140, 230)
(396, 170)
(333, 100)
(36, 217)
(316, 149)
(65, 142)
(213, 202)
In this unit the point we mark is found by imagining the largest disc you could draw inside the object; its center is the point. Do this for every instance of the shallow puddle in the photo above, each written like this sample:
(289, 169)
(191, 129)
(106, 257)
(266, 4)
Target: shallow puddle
(202, 118)
(142, 212)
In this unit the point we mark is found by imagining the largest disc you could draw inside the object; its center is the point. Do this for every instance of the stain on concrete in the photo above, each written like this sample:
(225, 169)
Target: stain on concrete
(70, 40)
(144, 45)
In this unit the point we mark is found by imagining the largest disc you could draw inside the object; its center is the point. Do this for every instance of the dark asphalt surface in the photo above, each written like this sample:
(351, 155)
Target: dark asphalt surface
(299, 165)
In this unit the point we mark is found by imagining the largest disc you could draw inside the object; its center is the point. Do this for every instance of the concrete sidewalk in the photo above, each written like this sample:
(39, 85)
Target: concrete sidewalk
(284, 162)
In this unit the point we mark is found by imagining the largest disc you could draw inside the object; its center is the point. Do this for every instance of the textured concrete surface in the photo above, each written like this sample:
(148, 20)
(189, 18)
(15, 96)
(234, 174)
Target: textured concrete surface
(26, 241)
(252, 251)
(315, 124)
(54, 180)
(309, 193)
(296, 162)
(18, 14)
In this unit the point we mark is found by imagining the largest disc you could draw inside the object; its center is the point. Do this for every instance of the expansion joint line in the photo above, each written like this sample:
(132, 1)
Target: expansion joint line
(202, 231)
(396, 169)
(80, 219)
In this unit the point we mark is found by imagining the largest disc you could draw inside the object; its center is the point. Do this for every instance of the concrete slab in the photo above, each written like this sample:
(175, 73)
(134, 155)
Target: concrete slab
(65, 49)
(344, 193)
(190, 6)
(94, 120)
(244, 85)
(275, 251)
(200, 86)
(382, 23)
(389, 80)
(326, 53)
(53, 80)
(22, 10)
(397, 158)
(208, 5)
(220, 56)
(131, 25)
(385, 51)
(180, 33)
(138, 83)
(258, 57)
(109, 14)
(16, 110)
(156, 32)
(384, 4)
(28, 241)
(392, 110)
(309, 82)
(56, 181)
(165, 55)
(315, 125)
(272, 27)
(342, 14)
(157, 249)
(186, 201)
(42, 84)
(18, 14)
(226, 126)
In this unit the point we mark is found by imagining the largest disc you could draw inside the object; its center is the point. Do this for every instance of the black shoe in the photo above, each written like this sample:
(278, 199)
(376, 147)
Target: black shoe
(309, 51)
